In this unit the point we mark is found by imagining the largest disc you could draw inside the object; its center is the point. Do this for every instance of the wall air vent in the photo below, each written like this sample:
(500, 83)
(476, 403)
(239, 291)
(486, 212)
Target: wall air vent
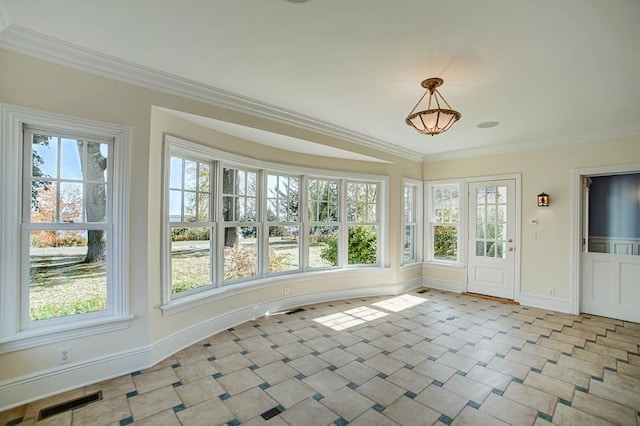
(69, 405)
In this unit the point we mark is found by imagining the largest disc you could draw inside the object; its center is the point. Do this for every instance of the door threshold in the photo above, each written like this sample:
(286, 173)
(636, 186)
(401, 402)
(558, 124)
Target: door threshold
(494, 298)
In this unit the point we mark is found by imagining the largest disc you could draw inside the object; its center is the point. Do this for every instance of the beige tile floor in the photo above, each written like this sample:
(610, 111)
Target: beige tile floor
(416, 359)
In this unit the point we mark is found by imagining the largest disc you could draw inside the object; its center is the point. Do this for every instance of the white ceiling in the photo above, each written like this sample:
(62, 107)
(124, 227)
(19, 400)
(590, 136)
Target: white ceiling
(550, 71)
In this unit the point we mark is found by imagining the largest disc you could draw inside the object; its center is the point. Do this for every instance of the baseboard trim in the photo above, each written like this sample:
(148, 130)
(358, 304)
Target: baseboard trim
(31, 387)
(442, 285)
(542, 302)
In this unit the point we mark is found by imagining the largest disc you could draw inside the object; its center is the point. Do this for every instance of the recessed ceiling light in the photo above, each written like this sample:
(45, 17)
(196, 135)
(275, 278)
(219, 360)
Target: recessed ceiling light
(488, 124)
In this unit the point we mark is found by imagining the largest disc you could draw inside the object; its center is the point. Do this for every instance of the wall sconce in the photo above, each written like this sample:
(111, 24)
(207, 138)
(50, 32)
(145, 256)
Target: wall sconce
(543, 200)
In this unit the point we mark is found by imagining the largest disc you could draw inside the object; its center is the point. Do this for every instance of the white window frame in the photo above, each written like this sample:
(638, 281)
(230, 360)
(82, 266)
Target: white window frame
(416, 186)
(346, 223)
(267, 224)
(430, 187)
(173, 145)
(13, 333)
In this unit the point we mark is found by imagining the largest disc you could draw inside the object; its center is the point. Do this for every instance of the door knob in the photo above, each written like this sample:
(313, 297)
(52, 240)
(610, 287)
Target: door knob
(510, 240)
(510, 248)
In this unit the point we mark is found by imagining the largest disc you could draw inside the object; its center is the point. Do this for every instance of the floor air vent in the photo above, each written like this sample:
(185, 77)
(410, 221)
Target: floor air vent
(295, 311)
(424, 290)
(69, 405)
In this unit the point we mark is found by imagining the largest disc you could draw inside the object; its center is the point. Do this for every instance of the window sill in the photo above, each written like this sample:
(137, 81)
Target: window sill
(411, 266)
(434, 264)
(44, 336)
(188, 302)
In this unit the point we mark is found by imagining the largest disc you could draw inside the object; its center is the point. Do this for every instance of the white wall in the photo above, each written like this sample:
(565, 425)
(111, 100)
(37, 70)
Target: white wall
(545, 262)
(32, 373)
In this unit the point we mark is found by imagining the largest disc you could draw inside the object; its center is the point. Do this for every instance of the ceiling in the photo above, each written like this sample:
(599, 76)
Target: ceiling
(550, 72)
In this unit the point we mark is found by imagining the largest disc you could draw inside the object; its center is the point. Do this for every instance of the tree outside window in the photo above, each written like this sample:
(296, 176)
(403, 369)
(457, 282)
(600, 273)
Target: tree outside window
(445, 216)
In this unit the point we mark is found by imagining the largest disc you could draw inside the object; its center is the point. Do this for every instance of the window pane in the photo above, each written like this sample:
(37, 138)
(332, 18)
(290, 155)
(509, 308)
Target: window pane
(70, 155)
(96, 166)
(491, 249)
(190, 175)
(61, 280)
(175, 206)
(480, 248)
(228, 208)
(445, 243)
(204, 177)
(284, 249)
(409, 251)
(323, 246)
(361, 202)
(71, 202)
(362, 245)
(240, 253)
(282, 198)
(96, 202)
(491, 194)
(175, 173)
(502, 194)
(44, 158)
(189, 206)
(323, 200)
(502, 213)
(44, 201)
(190, 258)
(252, 183)
(203, 207)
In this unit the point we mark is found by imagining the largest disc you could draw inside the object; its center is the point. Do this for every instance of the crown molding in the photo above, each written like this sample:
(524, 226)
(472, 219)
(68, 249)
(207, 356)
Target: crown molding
(4, 21)
(31, 43)
(531, 145)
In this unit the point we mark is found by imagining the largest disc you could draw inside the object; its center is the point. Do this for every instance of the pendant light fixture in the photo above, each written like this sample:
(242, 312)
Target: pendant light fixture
(432, 121)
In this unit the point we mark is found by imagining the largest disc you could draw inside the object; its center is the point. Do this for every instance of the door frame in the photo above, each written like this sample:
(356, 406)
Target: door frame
(576, 222)
(517, 177)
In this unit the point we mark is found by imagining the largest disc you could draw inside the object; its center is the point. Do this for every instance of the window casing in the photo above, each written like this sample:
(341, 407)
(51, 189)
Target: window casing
(265, 220)
(444, 223)
(67, 180)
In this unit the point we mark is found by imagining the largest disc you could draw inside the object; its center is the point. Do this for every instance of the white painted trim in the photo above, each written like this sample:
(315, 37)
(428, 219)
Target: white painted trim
(70, 331)
(13, 336)
(415, 266)
(517, 177)
(442, 285)
(187, 302)
(40, 46)
(543, 302)
(576, 222)
(534, 145)
(419, 220)
(34, 386)
(4, 21)
(196, 150)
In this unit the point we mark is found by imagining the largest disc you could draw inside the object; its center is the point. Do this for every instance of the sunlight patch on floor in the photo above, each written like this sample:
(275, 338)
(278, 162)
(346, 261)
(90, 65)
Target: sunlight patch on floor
(400, 303)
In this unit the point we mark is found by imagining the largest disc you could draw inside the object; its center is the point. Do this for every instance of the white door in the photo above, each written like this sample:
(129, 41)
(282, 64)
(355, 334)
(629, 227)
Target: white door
(492, 233)
(610, 268)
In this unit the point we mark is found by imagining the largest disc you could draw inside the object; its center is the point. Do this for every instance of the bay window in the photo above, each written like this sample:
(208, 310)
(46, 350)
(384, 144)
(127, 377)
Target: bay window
(232, 220)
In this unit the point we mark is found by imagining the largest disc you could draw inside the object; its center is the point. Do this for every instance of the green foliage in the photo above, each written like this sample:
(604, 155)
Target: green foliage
(190, 234)
(330, 251)
(445, 242)
(61, 309)
(362, 246)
